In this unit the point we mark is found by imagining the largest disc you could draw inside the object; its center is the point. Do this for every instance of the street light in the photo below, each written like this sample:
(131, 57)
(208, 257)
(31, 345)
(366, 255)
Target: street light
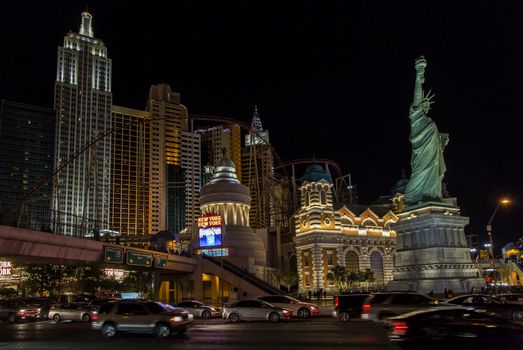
(489, 232)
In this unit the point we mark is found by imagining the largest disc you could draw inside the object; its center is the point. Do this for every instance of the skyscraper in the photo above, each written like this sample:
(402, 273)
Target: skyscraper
(130, 203)
(191, 165)
(257, 172)
(26, 150)
(83, 101)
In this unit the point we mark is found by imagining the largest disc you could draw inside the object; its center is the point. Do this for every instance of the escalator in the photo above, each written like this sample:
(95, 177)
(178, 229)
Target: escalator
(260, 284)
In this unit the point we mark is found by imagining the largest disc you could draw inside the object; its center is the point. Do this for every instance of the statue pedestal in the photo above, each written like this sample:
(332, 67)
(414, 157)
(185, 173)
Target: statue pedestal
(432, 252)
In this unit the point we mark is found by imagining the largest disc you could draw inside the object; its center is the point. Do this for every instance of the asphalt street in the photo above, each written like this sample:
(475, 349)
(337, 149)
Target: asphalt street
(216, 334)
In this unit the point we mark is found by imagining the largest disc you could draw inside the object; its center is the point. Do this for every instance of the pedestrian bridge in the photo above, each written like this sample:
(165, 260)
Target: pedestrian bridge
(25, 245)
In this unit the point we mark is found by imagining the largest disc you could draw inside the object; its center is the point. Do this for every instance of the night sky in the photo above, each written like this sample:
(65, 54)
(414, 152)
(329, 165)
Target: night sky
(331, 79)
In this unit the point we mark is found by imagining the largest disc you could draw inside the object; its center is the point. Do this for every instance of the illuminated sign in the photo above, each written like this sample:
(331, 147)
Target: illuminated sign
(139, 258)
(210, 236)
(113, 255)
(209, 221)
(114, 274)
(5, 268)
(160, 260)
(214, 252)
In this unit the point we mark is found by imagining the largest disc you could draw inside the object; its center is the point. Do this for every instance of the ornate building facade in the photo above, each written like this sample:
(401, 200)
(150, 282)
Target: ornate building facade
(354, 236)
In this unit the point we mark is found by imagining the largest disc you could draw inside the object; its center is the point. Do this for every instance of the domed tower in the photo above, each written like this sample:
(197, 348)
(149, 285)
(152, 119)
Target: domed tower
(224, 195)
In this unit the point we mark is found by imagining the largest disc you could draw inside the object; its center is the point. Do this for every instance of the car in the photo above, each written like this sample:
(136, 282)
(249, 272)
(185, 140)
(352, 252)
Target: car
(511, 298)
(348, 306)
(199, 309)
(74, 312)
(454, 328)
(380, 306)
(298, 308)
(15, 310)
(250, 310)
(491, 305)
(139, 317)
(43, 304)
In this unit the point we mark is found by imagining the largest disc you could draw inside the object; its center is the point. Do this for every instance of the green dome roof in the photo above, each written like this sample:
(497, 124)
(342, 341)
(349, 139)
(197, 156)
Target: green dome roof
(314, 173)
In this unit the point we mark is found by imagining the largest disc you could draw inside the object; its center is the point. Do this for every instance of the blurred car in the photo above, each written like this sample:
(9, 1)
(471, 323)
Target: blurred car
(15, 310)
(511, 298)
(491, 305)
(251, 310)
(199, 309)
(139, 317)
(453, 328)
(349, 306)
(97, 303)
(43, 304)
(380, 306)
(73, 311)
(298, 308)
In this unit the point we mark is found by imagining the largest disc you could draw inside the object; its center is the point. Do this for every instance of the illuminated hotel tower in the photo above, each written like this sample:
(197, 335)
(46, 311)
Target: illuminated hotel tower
(83, 102)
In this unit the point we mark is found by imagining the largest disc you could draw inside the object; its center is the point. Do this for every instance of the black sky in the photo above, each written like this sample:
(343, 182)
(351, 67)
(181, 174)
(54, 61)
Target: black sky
(333, 79)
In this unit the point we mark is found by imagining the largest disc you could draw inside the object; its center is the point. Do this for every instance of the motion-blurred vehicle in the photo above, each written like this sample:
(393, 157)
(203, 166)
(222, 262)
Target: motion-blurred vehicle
(97, 303)
(298, 308)
(251, 310)
(139, 317)
(15, 310)
(491, 305)
(380, 306)
(74, 312)
(453, 328)
(511, 298)
(348, 306)
(199, 309)
(43, 304)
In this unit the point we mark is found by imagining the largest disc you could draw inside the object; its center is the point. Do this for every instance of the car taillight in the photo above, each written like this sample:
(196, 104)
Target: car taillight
(399, 327)
(336, 302)
(366, 308)
(95, 317)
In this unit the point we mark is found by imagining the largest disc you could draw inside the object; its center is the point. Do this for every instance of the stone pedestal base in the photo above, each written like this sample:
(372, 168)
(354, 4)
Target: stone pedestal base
(432, 252)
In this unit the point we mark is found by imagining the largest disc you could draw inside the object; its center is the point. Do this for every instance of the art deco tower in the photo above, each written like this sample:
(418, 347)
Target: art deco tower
(83, 102)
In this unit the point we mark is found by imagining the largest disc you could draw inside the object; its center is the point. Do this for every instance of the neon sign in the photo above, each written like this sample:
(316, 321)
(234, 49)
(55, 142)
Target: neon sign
(6, 268)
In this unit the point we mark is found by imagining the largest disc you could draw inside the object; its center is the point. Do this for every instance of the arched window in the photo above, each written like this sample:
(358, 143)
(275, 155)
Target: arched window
(376, 265)
(352, 262)
(346, 221)
(369, 222)
(323, 197)
(307, 198)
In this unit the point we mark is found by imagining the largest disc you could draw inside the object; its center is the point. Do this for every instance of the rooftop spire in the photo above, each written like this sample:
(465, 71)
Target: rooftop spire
(86, 27)
(256, 121)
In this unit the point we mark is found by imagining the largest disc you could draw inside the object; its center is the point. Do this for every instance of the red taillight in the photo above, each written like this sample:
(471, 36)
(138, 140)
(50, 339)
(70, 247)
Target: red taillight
(399, 327)
(95, 317)
(366, 308)
(336, 303)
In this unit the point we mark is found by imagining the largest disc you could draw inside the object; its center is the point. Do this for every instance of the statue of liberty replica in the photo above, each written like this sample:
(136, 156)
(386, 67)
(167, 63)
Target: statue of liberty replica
(431, 252)
(428, 165)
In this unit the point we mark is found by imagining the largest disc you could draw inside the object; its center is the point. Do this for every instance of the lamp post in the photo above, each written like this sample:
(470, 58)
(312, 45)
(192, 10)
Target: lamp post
(489, 232)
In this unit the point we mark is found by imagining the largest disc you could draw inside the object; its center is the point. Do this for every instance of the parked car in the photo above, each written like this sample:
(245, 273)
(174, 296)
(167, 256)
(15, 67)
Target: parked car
(453, 328)
(199, 309)
(15, 310)
(298, 308)
(491, 305)
(139, 317)
(349, 306)
(43, 304)
(73, 311)
(511, 298)
(380, 306)
(255, 310)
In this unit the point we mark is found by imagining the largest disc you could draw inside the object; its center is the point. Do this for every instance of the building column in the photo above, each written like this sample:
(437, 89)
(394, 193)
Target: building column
(340, 257)
(197, 278)
(317, 267)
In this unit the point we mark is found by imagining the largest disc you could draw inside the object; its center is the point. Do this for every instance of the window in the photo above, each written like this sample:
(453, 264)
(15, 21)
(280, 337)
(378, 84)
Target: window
(409, 299)
(131, 309)
(376, 265)
(155, 308)
(352, 263)
(323, 197)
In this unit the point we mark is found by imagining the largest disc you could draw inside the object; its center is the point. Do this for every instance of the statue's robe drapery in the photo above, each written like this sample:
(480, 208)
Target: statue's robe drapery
(427, 163)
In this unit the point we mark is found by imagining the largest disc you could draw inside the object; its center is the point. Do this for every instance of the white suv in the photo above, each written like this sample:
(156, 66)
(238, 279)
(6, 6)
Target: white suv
(299, 308)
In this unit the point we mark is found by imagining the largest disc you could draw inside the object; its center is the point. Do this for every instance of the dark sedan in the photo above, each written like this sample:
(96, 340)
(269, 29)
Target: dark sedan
(453, 328)
(490, 305)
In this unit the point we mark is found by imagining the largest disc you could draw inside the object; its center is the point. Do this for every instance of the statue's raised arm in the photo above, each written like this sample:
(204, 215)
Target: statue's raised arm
(427, 163)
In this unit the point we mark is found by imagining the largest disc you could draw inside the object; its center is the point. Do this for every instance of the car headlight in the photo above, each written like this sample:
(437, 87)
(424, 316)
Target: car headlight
(214, 309)
(313, 307)
(21, 311)
(177, 319)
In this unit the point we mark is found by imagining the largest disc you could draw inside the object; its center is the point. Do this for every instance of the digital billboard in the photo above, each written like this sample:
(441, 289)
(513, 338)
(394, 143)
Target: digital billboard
(210, 236)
